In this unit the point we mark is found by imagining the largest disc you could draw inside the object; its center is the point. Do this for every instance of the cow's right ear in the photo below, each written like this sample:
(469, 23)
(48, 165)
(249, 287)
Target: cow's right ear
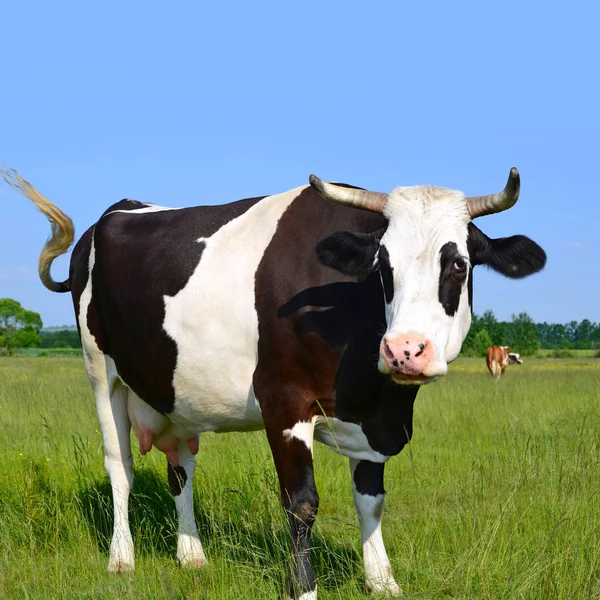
(349, 253)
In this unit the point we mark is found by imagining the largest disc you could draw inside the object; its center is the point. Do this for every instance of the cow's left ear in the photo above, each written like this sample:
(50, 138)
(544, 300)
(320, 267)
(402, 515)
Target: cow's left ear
(515, 257)
(350, 253)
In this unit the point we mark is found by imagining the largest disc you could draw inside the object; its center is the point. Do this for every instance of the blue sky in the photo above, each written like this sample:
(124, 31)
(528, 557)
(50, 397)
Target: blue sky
(194, 103)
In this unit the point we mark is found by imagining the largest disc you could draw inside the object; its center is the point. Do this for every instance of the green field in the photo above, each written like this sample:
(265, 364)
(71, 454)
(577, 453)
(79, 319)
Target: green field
(496, 497)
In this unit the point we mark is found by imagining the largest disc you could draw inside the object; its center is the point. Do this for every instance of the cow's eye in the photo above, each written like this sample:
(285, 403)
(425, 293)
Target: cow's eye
(459, 266)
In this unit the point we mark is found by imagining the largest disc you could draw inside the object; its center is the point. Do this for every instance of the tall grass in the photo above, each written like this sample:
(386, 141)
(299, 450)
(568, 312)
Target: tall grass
(496, 497)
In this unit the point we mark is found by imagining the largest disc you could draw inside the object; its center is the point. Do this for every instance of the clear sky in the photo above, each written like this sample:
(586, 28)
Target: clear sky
(187, 103)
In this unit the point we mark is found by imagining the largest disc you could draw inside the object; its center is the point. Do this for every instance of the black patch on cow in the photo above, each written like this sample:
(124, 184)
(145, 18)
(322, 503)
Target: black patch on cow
(451, 279)
(337, 301)
(125, 204)
(389, 427)
(139, 259)
(79, 271)
(368, 478)
(515, 257)
(177, 478)
(320, 329)
(470, 287)
(387, 273)
(349, 253)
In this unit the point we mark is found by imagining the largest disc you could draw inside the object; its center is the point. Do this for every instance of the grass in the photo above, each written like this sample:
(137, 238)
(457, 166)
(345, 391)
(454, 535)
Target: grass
(496, 497)
(45, 352)
(568, 353)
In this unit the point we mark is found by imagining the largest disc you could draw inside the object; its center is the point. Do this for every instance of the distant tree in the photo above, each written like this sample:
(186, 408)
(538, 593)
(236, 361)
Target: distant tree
(521, 335)
(467, 347)
(19, 327)
(583, 334)
(557, 337)
(481, 343)
(495, 329)
(61, 338)
(595, 337)
(571, 330)
(525, 336)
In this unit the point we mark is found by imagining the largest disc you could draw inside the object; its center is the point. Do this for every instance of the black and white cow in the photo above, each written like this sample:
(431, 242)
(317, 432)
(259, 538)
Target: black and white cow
(290, 313)
(514, 358)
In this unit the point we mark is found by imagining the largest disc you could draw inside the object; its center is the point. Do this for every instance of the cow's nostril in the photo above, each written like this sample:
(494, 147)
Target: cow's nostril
(421, 349)
(388, 353)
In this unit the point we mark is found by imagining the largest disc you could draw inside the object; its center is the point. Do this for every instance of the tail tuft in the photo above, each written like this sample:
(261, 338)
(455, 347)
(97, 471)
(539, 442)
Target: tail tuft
(62, 234)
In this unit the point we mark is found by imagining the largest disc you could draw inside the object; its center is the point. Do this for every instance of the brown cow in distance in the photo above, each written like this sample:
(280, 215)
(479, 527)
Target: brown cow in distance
(499, 357)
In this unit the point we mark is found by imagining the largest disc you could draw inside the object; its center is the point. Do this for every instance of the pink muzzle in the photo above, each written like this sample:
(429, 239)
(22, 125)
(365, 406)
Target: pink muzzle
(407, 354)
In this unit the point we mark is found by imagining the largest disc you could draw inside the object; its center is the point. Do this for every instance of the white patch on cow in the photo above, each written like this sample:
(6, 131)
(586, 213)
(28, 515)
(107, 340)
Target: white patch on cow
(111, 405)
(421, 220)
(148, 208)
(346, 438)
(378, 571)
(214, 323)
(303, 431)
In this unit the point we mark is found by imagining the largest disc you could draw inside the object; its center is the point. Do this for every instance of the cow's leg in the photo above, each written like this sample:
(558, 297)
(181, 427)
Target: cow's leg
(111, 404)
(189, 548)
(368, 492)
(154, 429)
(292, 452)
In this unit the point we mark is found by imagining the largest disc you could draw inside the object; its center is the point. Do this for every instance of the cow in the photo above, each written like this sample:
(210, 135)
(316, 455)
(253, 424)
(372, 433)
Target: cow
(514, 358)
(315, 314)
(499, 357)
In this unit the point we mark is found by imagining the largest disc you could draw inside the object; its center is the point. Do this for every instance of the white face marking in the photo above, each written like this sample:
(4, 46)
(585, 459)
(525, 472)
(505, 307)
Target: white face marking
(421, 220)
(345, 438)
(219, 299)
(303, 431)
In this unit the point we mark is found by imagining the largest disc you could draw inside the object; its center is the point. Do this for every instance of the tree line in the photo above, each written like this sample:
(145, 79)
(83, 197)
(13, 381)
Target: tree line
(22, 328)
(526, 337)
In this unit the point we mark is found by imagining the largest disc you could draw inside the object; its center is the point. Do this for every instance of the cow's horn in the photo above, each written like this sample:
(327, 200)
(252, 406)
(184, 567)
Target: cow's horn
(494, 203)
(373, 201)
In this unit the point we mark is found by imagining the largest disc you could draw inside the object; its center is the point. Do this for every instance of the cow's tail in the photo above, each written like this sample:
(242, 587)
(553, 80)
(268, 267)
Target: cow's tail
(62, 235)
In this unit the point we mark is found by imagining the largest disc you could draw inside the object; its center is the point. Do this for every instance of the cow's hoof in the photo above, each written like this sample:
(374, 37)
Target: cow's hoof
(191, 562)
(120, 566)
(388, 589)
(306, 596)
(189, 552)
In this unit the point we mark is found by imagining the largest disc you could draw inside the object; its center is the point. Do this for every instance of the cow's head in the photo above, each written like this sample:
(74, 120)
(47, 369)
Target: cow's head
(424, 257)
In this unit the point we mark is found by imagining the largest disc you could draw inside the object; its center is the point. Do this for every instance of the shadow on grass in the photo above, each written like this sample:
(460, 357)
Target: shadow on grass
(153, 524)
(151, 513)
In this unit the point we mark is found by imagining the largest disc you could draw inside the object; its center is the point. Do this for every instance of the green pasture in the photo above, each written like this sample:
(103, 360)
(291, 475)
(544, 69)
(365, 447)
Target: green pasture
(496, 497)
